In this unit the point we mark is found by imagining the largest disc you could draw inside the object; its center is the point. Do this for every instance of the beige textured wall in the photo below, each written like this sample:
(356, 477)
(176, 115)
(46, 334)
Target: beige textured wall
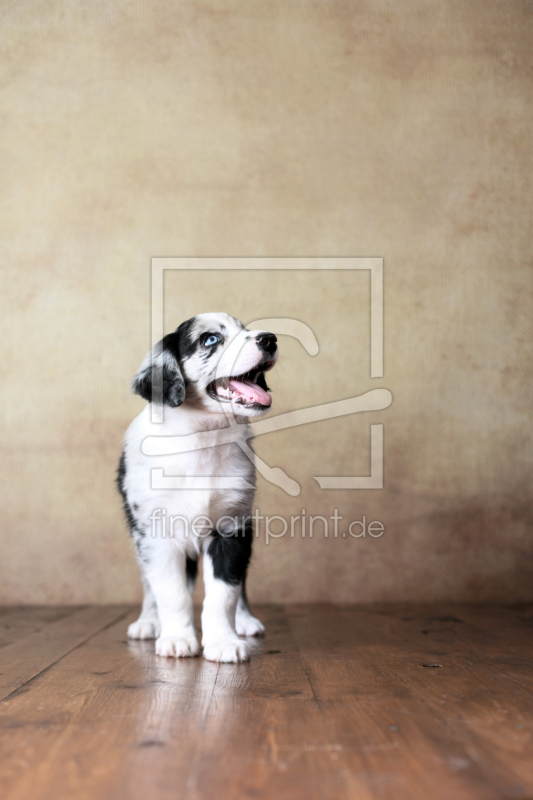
(400, 130)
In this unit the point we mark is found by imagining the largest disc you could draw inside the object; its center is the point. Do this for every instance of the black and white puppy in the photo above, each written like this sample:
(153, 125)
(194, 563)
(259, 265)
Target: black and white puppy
(210, 361)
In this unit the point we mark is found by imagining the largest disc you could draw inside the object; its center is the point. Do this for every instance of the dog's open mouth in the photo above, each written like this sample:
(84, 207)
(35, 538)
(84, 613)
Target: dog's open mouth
(248, 390)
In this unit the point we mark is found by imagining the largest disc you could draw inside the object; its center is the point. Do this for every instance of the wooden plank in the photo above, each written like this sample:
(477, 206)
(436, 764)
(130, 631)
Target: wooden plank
(375, 673)
(484, 691)
(264, 736)
(16, 622)
(335, 704)
(360, 705)
(172, 725)
(24, 659)
(106, 704)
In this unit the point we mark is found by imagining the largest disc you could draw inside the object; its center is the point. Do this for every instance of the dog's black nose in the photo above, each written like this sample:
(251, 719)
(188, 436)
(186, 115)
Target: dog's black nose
(267, 342)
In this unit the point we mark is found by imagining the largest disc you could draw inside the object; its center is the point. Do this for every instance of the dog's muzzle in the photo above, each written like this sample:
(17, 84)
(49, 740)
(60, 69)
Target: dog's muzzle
(249, 389)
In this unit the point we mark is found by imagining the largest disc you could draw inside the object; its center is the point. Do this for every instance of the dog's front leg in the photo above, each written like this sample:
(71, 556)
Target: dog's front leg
(222, 590)
(167, 576)
(147, 626)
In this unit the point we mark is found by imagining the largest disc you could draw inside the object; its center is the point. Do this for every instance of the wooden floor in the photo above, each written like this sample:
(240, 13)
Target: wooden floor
(350, 702)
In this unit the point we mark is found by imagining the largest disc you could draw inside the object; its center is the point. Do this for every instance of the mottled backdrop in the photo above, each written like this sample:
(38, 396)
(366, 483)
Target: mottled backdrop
(364, 128)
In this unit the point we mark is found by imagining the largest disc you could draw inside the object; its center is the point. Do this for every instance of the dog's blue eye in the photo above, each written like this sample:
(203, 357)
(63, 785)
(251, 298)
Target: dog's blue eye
(211, 340)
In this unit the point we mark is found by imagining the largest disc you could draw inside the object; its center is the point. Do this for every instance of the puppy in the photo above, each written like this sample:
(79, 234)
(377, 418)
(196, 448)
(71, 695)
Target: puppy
(210, 367)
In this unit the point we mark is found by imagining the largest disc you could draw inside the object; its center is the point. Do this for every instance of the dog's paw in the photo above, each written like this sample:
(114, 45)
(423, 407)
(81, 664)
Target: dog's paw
(249, 626)
(144, 629)
(177, 646)
(230, 651)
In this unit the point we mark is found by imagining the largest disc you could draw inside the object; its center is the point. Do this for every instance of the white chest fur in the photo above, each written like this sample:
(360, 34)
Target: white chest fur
(174, 511)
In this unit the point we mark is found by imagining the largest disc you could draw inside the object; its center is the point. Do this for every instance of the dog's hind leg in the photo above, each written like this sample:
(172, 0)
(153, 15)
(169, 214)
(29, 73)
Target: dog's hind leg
(191, 569)
(245, 622)
(147, 626)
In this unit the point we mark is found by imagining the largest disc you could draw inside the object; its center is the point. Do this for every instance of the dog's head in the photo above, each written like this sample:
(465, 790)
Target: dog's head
(210, 360)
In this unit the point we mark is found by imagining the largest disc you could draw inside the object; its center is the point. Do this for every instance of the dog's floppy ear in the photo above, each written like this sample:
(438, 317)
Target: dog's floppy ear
(159, 379)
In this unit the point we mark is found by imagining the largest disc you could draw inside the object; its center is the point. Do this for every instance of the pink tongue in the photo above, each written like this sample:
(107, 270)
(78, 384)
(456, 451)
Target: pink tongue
(250, 392)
